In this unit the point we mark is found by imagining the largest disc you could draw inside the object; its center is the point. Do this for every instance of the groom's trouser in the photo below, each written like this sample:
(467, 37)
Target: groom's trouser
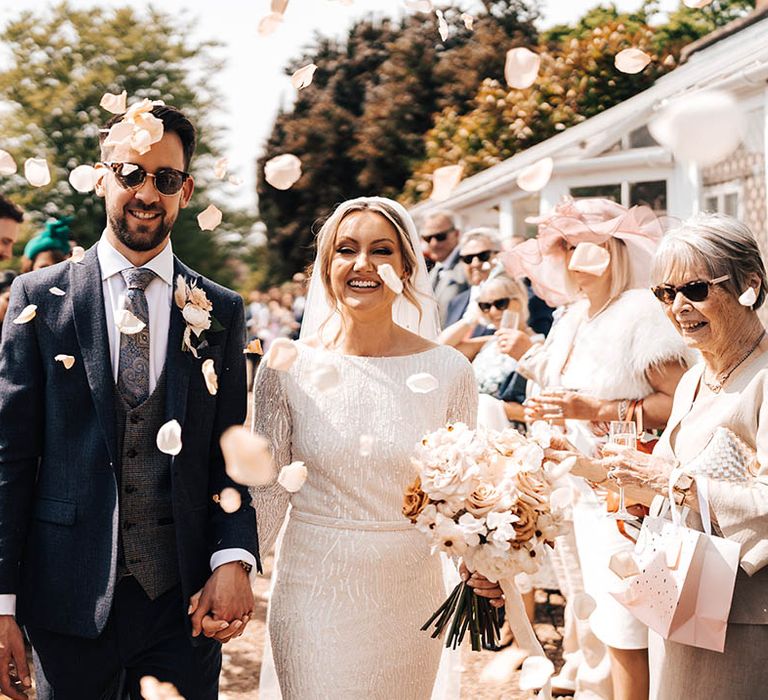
(143, 637)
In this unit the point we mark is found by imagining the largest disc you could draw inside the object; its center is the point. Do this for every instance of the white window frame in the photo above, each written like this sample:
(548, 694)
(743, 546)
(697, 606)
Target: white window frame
(719, 193)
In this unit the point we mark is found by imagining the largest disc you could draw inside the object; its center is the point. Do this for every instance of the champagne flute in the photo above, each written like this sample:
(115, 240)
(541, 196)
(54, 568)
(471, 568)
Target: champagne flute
(622, 433)
(510, 319)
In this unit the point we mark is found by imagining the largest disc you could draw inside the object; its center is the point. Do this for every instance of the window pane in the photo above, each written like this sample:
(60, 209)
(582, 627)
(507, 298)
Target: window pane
(608, 191)
(731, 204)
(641, 138)
(652, 194)
(710, 204)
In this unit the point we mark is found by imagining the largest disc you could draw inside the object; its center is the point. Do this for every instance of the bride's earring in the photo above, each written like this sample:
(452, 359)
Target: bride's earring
(749, 297)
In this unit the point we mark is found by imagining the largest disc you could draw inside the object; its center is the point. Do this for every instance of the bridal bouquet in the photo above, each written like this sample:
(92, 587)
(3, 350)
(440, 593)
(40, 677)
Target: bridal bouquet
(483, 496)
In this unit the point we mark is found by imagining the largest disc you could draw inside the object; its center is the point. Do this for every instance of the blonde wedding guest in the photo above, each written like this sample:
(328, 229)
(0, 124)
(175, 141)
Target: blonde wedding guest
(710, 278)
(354, 579)
(611, 351)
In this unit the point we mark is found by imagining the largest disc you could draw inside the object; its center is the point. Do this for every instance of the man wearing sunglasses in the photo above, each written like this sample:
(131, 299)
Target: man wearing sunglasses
(104, 538)
(441, 236)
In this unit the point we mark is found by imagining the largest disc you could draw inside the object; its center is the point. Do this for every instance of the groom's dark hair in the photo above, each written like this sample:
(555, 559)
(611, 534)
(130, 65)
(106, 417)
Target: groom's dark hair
(173, 120)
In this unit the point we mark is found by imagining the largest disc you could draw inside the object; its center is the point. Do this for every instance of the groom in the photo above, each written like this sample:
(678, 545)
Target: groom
(104, 538)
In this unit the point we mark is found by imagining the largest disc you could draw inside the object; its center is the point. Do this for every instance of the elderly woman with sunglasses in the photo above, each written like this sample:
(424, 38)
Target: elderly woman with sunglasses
(610, 355)
(711, 280)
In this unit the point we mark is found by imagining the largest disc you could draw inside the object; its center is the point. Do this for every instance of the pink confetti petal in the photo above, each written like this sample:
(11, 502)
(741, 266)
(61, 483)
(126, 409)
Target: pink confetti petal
(209, 218)
(114, 103)
(153, 689)
(444, 181)
(279, 6)
(7, 163)
(282, 171)
(590, 258)
(419, 5)
(84, 178)
(26, 315)
(390, 278)
(292, 476)
(535, 672)
(281, 355)
(77, 255)
(211, 379)
(469, 21)
(303, 77)
(536, 176)
(442, 25)
(119, 134)
(230, 500)
(521, 67)
(67, 360)
(127, 323)
(220, 168)
(583, 605)
(180, 292)
(36, 171)
(422, 383)
(247, 457)
(169, 438)
(631, 61)
(269, 23)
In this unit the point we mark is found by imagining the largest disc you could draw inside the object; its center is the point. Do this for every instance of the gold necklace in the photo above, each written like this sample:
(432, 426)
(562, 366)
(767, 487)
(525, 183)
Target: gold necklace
(716, 387)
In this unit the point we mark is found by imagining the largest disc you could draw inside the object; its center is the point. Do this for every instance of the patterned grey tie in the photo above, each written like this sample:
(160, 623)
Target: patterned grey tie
(133, 369)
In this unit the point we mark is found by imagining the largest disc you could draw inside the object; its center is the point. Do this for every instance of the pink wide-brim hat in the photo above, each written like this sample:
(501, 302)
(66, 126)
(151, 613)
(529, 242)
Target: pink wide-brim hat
(542, 259)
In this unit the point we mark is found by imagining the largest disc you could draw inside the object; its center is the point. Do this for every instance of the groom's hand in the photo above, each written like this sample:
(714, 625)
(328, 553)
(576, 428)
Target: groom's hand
(224, 606)
(14, 671)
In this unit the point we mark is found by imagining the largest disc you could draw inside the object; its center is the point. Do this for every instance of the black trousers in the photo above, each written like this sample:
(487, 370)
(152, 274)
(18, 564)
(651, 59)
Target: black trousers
(143, 637)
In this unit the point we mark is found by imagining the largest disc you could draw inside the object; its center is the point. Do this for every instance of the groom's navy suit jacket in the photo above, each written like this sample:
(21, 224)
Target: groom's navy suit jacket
(58, 448)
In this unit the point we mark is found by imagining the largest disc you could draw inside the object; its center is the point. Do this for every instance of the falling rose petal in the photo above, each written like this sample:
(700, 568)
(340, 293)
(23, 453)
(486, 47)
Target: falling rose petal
(67, 360)
(7, 163)
(419, 5)
(422, 383)
(696, 4)
(703, 128)
(442, 25)
(282, 171)
(366, 445)
(324, 376)
(303, 77)
(444, 181)
(153, 689)
(77, 254)
(57, 292)
(535, 672)
(253, 348)
(209, 218)
(114, 103)
(631, 60)
(279, 6)
(292, 476)
(558, 471)
(220, 168)
(535, 176)
(269, 23)
(503, 666)
(749, 297)
(211, 380)
(36, 171)
(247, 457)
(390, 278)
(583, 605)
(230, 500)
(521, 67)
(469, 21)
(281, 355)
(127, 323)
(26, 315)
(180, 292)
(169, 438)
(589, 258)
(623, 564)
(84, 178)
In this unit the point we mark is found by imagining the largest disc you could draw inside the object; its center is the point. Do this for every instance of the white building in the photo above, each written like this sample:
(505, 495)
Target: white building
(614, 155)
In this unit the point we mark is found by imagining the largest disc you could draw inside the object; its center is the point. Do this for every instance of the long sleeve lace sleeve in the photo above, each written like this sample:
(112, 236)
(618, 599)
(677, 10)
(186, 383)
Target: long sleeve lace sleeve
(462, 404)
(271, 417)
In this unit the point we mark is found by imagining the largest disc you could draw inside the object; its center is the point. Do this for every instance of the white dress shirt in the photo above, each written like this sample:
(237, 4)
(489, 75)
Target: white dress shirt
(159, 293)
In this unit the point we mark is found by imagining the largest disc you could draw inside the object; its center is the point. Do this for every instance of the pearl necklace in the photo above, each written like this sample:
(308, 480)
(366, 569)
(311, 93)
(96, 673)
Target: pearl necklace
(716, 387)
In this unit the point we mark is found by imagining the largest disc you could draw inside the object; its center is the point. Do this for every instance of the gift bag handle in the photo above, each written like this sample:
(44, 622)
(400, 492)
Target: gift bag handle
(702, 494)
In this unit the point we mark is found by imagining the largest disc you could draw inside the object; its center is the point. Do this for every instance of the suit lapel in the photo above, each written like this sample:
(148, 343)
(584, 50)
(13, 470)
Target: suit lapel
(178, 363)
(91, 329)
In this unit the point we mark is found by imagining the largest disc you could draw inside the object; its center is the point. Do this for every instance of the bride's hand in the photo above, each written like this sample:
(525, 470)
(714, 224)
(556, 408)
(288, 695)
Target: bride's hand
(482, 586)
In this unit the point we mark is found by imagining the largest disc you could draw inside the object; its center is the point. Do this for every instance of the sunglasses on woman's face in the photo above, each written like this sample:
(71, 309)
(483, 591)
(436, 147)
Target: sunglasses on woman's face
(500, 304)
(168, 181)
(482, 256)
(698, 290)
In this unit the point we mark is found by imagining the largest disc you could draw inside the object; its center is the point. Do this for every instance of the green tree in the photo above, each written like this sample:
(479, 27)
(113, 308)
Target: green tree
(62, 61)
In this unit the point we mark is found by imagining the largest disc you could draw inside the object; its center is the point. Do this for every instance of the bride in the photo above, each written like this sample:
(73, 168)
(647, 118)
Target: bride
(354, 579)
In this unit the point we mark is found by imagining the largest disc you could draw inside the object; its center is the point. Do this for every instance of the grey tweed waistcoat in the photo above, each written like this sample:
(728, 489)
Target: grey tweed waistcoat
(147, 539)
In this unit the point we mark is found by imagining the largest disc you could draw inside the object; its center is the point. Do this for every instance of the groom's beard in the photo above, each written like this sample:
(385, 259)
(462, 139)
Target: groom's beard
(141, 237)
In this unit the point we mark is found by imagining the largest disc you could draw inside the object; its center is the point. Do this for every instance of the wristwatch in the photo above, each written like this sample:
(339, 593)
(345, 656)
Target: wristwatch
(682, 488)
(248, 567)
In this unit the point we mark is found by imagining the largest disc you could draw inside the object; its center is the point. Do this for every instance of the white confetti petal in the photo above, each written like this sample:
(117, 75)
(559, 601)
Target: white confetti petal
(631, 61)
(442, 25)
(282, 171)
(503, 666)
(220, 168)
(77, 254)
(114, 103)
(444, 181)
(366, 445)
(535, 176)
(696, 4)
(247, 457)
(211, 379)
(469, 21)
(561, 498)
(269, 23)
(583, 605)
(234, 180)
(422, 383)
(169, 438)
(209, 218)
(153, 689)
(419, 5)
(303, 77)
(390, 278)
(26, 315)
(83, 178)
(535, 672)
(230, 500)
(180, 292)
(292, 476)
(281, 355)
(7, 163)
(324, 376)
(67, 360)
(127, 323)
(57, 292)
(748, 297)
(521, 67)
(36, 171)
(623, 564)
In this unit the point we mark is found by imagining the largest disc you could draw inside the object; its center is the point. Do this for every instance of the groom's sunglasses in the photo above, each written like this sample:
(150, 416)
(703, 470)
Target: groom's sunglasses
(168, 181)
(698, 290)
(500, 304)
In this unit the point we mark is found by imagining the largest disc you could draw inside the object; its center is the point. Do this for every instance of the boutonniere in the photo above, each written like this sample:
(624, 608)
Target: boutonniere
(196, 309)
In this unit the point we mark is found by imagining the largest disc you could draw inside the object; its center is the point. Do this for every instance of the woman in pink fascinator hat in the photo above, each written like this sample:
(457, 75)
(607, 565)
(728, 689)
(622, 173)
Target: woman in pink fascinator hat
(611, 356)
